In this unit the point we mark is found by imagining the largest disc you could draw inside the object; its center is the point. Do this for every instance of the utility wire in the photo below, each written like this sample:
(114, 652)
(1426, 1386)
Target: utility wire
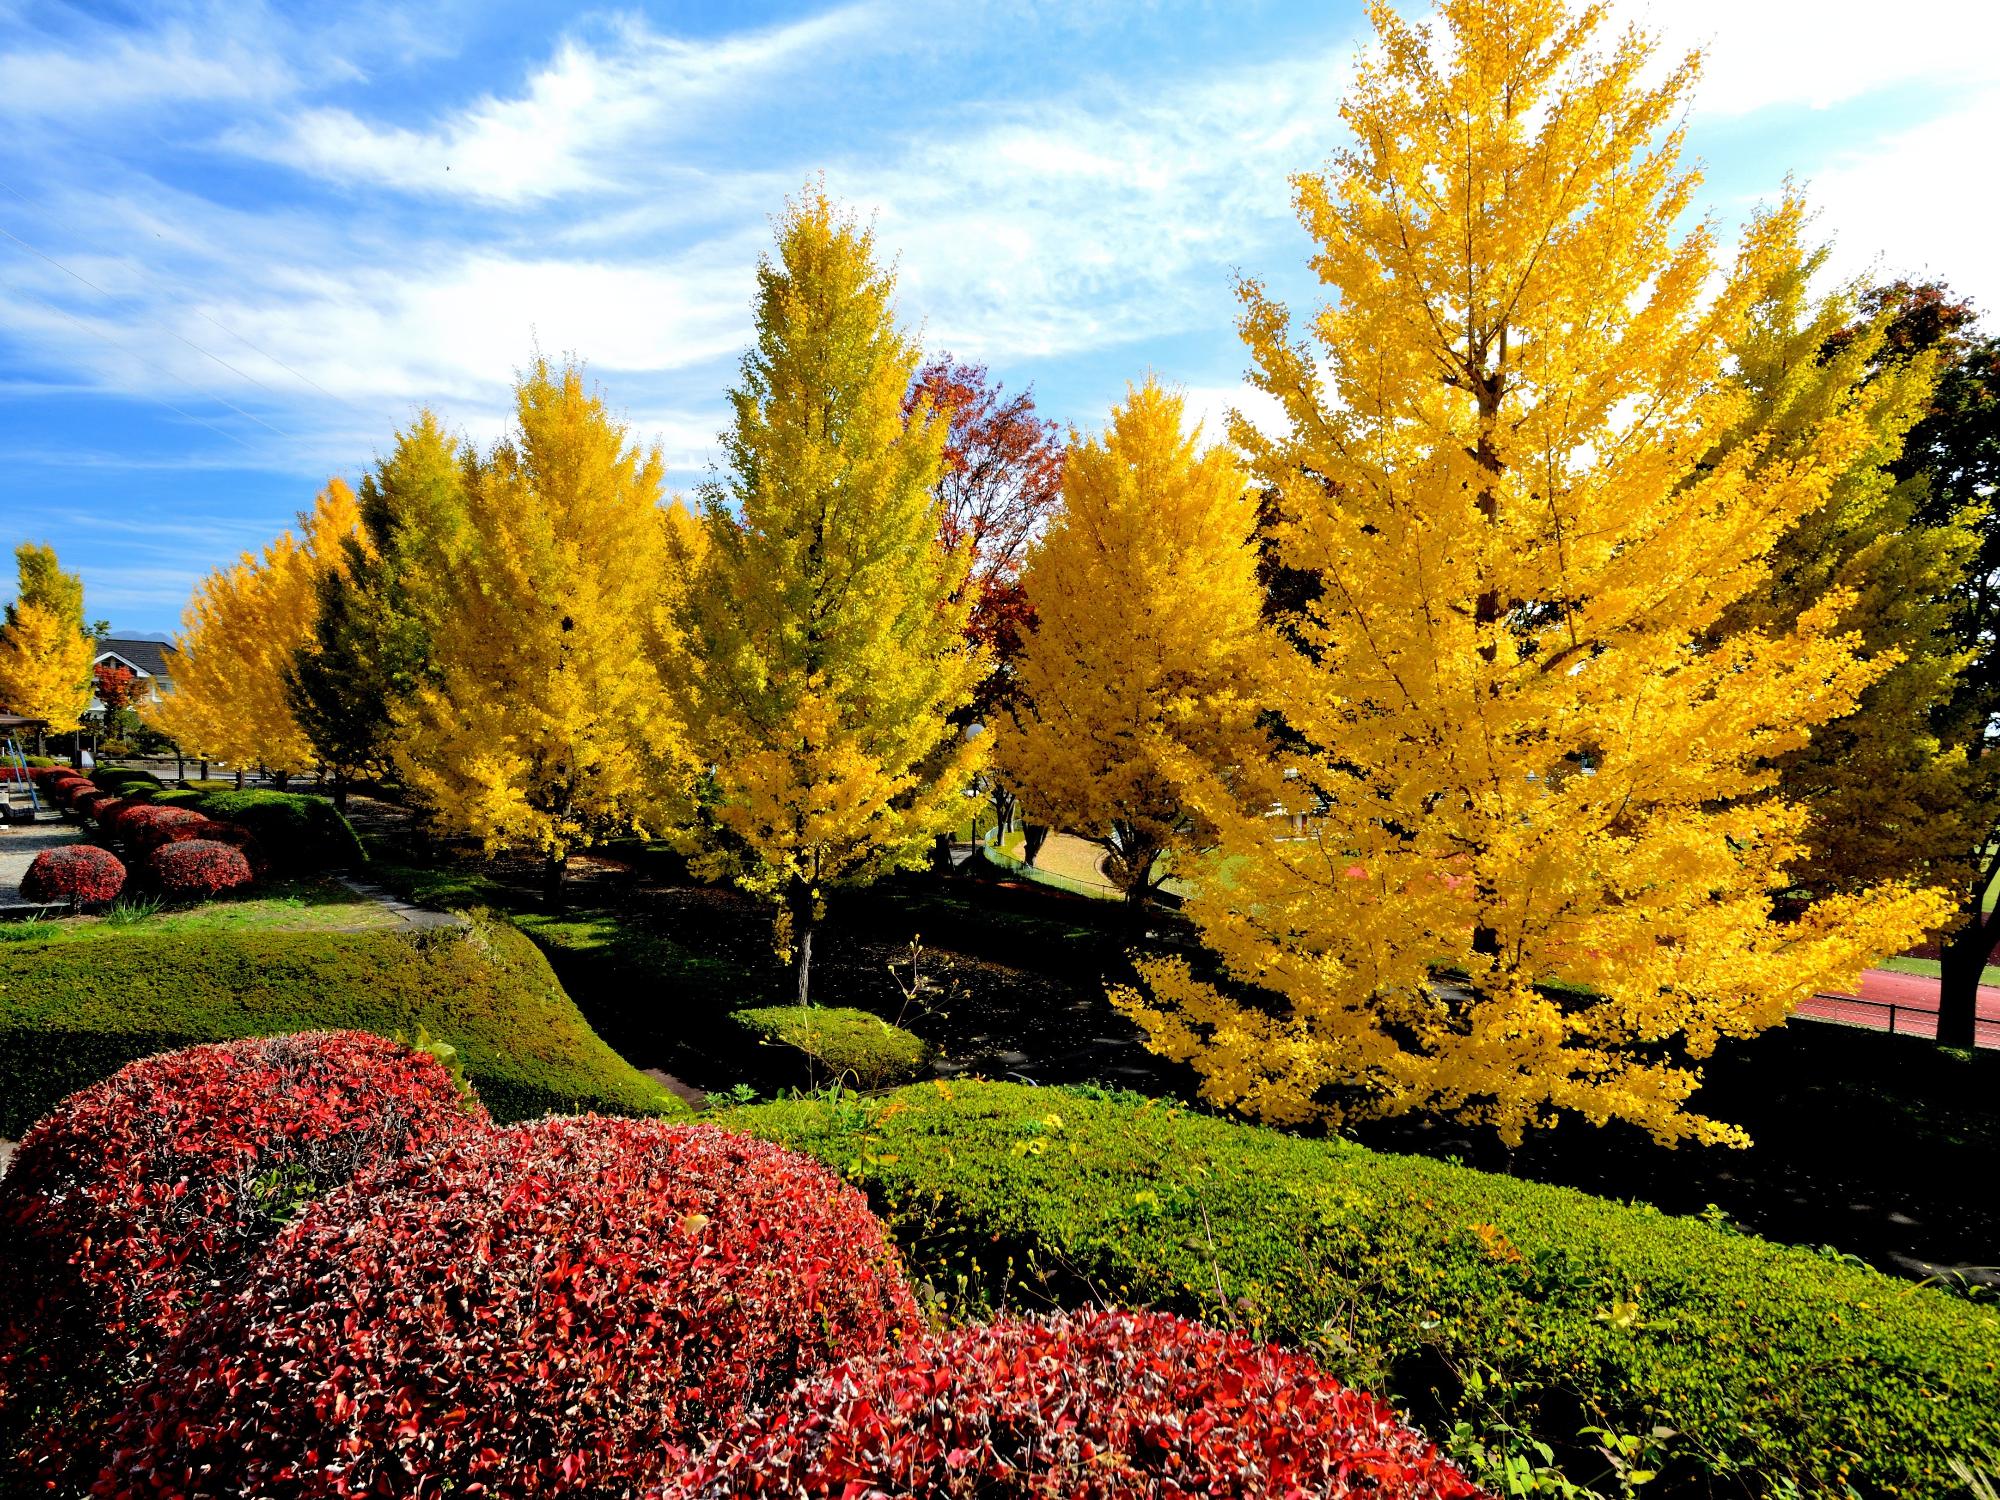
(206, 318)
(221, 400)
(100, 333)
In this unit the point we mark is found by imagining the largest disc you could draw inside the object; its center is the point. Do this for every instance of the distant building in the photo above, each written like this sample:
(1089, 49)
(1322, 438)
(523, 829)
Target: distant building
(152, 662)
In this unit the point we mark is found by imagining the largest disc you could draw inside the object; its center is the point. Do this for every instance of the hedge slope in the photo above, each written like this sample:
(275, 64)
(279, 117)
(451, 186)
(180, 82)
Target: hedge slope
(74, 1012)
(1457, 1292)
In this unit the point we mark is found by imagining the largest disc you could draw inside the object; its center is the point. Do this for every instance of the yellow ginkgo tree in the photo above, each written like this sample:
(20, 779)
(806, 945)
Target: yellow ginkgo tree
(243, 627)
(540, 722)
(1539, 853)
(45, 652)
(1147, 643)
(824, 623)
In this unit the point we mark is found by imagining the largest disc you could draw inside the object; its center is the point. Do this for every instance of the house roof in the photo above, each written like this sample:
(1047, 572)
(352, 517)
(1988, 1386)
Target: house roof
(154, 658)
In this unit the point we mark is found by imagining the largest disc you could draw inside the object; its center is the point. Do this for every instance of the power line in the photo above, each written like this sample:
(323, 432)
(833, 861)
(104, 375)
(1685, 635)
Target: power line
(100, 333)
(221, 400)
(205, 317)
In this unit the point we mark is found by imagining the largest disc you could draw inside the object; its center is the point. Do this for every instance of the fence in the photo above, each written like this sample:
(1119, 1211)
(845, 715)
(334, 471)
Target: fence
(1892, 1016)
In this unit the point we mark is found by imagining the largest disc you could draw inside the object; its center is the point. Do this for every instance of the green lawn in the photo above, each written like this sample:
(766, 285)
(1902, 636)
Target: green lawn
(1931, 969)
(302, 905)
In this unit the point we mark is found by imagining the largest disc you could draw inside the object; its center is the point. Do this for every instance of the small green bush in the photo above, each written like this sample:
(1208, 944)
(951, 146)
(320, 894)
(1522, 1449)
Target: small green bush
(1470, 1298)
(118, 778)
(852, 1045)
(76, 1011)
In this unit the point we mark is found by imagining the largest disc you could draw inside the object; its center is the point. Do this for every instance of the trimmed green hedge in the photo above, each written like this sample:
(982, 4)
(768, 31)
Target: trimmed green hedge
(296, 832)
(853, 1045)
(73, 1012)
(121, 779)
(1467, 1297)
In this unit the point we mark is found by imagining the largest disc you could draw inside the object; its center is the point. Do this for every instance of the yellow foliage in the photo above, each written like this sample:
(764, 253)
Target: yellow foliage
(238, 639)
(541, 721)
(827, 648)
(1539, 852)
(1146, 649)
(1888, 796)
(45, 666)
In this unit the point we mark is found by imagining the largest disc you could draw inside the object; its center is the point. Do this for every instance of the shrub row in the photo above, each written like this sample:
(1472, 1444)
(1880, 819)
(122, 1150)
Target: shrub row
(571, 1308)
(73, 1012)
(296, 832)
(138, 1197)
(1465, 1296)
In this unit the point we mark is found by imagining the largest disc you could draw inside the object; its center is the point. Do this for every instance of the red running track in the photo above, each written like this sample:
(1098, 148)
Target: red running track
(1904, 1003)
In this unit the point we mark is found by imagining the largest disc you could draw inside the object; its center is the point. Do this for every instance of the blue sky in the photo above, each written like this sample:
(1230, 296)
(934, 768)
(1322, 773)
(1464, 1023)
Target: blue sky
(241, 244)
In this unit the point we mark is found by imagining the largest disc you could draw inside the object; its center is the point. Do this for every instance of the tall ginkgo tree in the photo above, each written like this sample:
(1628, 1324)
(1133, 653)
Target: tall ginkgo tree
(45, 652)
(1541, 844)
(242, 630)
(539, 723)
(825, 624)
(1146, 650)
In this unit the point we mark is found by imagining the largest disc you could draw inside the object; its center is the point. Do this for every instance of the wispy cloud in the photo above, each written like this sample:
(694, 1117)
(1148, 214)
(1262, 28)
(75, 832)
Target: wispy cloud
(573, 127)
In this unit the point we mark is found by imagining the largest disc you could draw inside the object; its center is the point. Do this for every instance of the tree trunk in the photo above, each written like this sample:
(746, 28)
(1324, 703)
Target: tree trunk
(1033, 836)
(239, 778)
(340, 791)
(552, 879)
(1961, 963)
(180, 765)
(799, 902)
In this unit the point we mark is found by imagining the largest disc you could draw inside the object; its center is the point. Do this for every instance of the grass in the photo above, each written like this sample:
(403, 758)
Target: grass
(77, 1007)
(303, 905)
(1930, 968)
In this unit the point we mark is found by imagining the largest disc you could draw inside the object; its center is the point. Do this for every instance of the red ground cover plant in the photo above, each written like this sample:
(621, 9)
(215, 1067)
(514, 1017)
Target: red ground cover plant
(75, 874)
(1095, 1406)
(144, 1193)
(197, 869)
(144, 826)
(559, 1309)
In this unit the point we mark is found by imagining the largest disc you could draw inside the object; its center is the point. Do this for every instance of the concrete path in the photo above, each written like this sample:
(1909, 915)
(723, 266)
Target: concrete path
(396, 906)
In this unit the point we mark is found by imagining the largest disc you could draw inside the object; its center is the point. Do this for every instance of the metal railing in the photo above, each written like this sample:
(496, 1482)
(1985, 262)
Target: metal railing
(1896, 1017)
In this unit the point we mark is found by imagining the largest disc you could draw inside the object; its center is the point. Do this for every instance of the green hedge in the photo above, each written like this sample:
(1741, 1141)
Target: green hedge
(121, 779)
(296, 832)
(72, 1012)
(1469, 1298)
(852, 1045)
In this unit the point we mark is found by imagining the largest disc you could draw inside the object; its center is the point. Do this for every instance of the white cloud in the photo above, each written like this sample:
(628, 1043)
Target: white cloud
(574, 126)
(1913, 203)
(1761, 54)
(125, 71)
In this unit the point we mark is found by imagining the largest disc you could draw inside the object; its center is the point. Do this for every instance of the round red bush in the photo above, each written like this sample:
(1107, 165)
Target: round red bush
(142, 1194)
(74, 874)
(106, 809)
(196, 869)
(144, 826)
(82, 796)
(558, 1309)
(1109, 1405)
(233, 834)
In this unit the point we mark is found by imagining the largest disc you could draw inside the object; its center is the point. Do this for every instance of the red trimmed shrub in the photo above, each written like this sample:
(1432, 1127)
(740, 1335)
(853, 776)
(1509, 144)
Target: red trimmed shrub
(75, 874)
(235, 835)
(106, 810)
(558, 1309)
(1108, 1405)
(142, 1194)
(197, 869)
(144, 826)
(71, 790)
